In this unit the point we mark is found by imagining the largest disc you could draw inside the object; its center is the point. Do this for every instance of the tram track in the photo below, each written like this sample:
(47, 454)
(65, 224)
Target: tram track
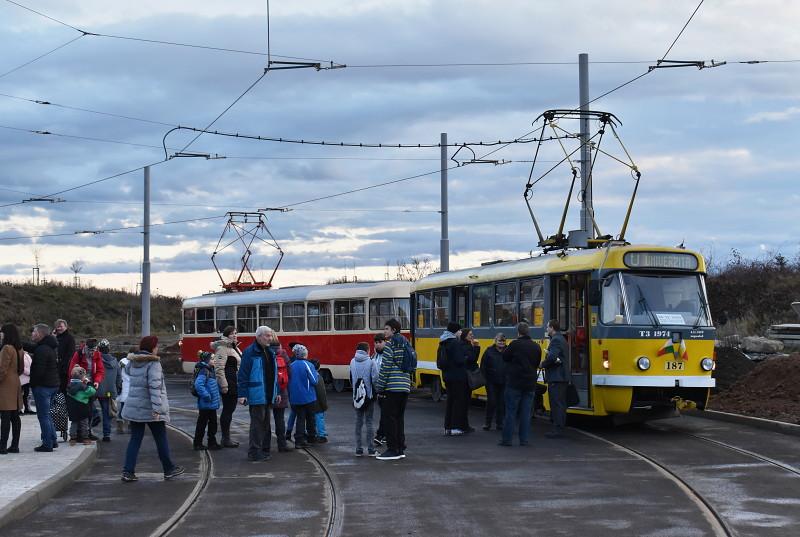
(335, 518)
(715, 520)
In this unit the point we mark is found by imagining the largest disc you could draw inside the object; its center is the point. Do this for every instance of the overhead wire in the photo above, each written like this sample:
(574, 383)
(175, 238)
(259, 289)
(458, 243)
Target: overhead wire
(37, 58)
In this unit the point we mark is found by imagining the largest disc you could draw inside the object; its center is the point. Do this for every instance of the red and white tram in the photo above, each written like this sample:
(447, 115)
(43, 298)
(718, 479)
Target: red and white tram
(328, 319)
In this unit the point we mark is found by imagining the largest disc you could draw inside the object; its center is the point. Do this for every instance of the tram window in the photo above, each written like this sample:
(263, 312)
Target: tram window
(613, 305)
(224, 317)
(424, 303)
(294, 317)
(270, 315)
(246, 319)
(441, 309)
(461, 294)
(205, 320)
(505, 304)
(482, 305)
(349, 315)
(383, 309)
(656, 299)
(531, 301)
(188, 321)
(319, 316)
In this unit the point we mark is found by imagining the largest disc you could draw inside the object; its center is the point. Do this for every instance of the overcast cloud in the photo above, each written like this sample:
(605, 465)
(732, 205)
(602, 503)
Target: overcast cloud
(716, 147)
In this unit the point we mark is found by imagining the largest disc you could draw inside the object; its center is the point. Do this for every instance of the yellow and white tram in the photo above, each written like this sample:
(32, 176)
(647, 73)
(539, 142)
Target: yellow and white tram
(636, 319)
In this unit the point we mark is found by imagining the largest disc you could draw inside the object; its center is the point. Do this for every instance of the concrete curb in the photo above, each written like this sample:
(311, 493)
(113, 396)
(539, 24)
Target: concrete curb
(36, 497)
(760, 423)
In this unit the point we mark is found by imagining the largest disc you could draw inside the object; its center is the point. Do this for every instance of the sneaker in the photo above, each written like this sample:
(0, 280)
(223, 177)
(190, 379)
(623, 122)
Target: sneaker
(322, 439)
(214, 446)
(72, 441)
(360, 452)
(448, 432)
(106, 439)
(43, 449)
(390, 455)
(129, 477)
(13, 450)
(175, 472)
(370, 452)
(456, 432)
(228, 443)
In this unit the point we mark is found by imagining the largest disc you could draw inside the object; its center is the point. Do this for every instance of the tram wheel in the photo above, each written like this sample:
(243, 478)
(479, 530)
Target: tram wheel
(436, 390)
(338, 385)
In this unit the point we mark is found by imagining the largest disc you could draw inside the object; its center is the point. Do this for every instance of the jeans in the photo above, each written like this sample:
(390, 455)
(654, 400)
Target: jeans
(280, 426)
(456, 414)
(206, 417)
(495, 403)
(364, 414)
(159, 430)
(394, 406)
(42, 396)
(226, 416)
(519, 404)
(557, 391)
(319, 421)
(305, 420)
(260, 431)
(105, 407)
(79, 429)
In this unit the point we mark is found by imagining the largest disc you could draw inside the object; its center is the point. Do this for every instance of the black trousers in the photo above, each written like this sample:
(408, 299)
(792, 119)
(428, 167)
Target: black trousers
(558, 404)
(394, 408)
(381, 432)
(9, 420)
(260, 430)
(226, 416)
(26, 392)
(305, 425)
(280, 426)
(206, 418)
(457, 406)
(495, 403)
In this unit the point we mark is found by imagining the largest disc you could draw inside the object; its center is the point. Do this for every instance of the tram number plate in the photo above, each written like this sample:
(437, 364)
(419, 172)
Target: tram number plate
(674, 366)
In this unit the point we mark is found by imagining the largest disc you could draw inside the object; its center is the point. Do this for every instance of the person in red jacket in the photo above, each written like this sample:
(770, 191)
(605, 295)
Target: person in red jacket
(89, 357)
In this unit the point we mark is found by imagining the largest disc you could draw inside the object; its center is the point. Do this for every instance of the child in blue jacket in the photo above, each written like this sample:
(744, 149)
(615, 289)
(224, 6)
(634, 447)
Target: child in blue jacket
(303, 396)
(207, 389)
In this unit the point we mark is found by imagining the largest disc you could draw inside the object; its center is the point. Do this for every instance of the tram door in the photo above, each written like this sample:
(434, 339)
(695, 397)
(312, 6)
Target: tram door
(571, 309)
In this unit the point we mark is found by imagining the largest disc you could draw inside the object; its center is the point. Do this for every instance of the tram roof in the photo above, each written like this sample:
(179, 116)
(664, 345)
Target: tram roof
(553, 263)
(381, 289)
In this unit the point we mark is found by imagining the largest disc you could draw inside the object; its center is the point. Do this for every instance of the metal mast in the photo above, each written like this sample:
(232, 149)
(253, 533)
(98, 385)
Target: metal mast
(587, 210)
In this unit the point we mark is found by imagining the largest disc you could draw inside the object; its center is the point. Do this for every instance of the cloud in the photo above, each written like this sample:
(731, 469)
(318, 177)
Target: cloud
(783, 115)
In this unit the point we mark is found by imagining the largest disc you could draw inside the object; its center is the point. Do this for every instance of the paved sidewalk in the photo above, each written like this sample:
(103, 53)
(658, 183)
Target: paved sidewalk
(29, 479)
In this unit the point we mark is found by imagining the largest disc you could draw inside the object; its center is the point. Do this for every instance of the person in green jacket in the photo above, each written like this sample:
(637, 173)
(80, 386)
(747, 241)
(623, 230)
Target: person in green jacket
(79, 393)
(393, 386)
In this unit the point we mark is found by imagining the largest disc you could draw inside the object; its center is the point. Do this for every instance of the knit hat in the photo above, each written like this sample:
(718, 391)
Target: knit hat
(204, 356)
(148, 343)
(300, 351)
(453, 327)
(103, 345)
(91, 343)
(78, 372)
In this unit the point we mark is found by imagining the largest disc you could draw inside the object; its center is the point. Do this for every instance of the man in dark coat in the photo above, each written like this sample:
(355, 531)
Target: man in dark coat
(44, 381)
(66, 348)
(522, 359)
(494, 371)
(555, 374)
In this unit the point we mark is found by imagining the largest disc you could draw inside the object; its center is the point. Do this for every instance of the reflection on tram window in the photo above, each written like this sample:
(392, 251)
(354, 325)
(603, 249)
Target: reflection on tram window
(224, 317)
(482, 305)
(349, 315)
(294, 317)
(505, 304)
(424, 310)
(188, 321)
(531, 301)
(441, 308)
(655, 300)
(246, 319)
(319, 316)
(270, 315)
(205, 320)
(383, 309)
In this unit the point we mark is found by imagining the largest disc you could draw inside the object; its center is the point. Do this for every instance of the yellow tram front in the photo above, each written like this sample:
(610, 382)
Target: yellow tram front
(636, 320)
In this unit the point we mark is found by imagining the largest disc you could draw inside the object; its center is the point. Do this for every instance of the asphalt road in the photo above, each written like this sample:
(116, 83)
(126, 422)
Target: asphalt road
(468, 485)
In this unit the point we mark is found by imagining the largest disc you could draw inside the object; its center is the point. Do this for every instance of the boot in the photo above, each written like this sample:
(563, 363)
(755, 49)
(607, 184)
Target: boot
(212, 444)
(227, 442)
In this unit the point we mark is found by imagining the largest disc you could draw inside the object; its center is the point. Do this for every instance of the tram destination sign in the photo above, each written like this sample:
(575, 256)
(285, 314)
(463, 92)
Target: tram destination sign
(660, 260)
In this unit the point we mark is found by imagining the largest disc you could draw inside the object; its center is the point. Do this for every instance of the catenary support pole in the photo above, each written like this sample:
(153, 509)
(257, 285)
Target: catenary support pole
(586, 154)
(444, 252)
(146, 259)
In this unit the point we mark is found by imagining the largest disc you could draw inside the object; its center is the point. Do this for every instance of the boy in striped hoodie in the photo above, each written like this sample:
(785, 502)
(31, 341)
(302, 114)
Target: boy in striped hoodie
(394, 385)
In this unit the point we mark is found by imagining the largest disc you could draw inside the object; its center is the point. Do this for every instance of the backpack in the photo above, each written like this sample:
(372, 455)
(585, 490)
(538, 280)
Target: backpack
(283, 373)
(409, 364)
(441, 357)
(192, 389)
(359, 393)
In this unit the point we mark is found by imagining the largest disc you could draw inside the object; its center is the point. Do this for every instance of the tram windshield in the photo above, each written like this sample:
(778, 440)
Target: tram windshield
(654, 300)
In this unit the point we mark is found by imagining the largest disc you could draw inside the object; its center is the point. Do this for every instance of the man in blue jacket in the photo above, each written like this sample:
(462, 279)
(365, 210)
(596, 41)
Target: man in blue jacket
(555, 374)
(258, 388)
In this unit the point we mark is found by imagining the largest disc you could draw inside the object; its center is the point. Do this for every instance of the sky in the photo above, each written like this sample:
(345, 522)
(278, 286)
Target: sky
(716, 147)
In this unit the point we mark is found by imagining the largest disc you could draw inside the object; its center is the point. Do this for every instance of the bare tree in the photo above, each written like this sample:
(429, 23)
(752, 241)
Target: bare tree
(76, 267)
(415, 268)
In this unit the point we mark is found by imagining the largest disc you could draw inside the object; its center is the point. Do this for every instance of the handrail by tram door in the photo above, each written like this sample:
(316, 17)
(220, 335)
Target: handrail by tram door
(572, 311)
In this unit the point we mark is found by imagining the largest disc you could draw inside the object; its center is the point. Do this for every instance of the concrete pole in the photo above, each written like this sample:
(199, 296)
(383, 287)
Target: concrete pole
(444, 246)
(586, 154)
(146, 260)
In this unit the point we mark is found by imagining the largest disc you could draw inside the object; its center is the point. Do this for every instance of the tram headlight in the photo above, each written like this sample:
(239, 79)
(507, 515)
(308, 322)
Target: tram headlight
(707, 364)
(643, 363)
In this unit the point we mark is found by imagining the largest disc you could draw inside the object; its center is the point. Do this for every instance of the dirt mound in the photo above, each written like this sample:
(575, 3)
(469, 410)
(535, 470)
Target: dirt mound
(771, 390)
(731, 366)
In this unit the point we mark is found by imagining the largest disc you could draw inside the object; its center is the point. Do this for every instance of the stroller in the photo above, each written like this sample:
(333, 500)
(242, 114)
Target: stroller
(58, 413)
